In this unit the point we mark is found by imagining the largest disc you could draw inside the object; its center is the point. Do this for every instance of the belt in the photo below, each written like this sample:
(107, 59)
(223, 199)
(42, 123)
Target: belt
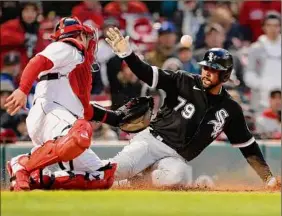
(51, 76)
(156, 135)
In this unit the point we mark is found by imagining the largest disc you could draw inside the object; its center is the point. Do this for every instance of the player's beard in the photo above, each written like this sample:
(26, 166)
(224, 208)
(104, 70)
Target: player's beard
(211, 86)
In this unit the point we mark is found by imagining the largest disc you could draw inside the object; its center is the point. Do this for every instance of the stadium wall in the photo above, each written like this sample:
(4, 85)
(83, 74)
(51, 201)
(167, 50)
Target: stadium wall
(219, 163)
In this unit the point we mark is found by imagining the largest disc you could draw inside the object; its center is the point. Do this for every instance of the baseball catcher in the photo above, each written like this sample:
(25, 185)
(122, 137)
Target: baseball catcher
(58, 122)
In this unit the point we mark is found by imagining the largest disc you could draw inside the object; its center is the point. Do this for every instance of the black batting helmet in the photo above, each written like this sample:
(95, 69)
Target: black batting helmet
(219, 59)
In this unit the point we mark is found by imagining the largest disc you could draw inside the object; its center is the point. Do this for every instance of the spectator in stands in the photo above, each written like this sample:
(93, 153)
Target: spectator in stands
(251, 16)
(215, 37)
(22, 34)
(124, 85)
(165, 46)
(188, 17)
(269, 121)
(11, 126)
(232, 29)
(10, 68)
(185, 55)
(104, 52)
(89, 11)
(8, 10)
(7, 121)
(208, 8)
(47, 25)
(21, 129)
(173, 64)
(263, 71)
(117, 8)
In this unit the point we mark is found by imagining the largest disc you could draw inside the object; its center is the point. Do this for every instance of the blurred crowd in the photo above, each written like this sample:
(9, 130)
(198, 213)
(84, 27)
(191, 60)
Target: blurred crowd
(250, 30)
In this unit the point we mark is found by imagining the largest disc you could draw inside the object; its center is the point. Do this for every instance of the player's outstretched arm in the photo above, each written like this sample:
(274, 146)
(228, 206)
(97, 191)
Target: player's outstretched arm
(254, 156)
(152, 75)
(132, 117)
(240, 136)
(122, 48)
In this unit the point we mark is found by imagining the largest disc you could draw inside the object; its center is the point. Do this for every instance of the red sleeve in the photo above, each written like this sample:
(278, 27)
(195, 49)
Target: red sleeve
(88, 112)
(35, 66)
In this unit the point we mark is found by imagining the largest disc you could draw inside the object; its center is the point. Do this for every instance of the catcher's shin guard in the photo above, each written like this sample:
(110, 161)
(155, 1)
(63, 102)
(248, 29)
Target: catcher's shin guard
(64, 148)
(72, 181)
(19, 180)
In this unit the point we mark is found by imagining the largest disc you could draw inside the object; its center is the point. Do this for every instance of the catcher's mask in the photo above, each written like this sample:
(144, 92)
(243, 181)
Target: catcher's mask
(221, 60)
(72, 27)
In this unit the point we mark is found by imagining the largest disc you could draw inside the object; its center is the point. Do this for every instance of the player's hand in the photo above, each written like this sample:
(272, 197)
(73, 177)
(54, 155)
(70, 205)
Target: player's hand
(15, 102)
(273, 183)
(118, 43)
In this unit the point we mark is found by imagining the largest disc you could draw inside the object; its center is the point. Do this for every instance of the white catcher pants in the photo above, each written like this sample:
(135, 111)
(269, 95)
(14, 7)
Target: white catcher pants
(168, 168)
(46, 121)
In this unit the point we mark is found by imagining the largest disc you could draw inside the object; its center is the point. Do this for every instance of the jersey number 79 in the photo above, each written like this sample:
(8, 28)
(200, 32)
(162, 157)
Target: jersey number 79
(188, 109)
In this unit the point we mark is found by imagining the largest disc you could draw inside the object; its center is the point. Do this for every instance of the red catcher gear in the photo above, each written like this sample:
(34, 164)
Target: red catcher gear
(71, 27)
(19, 180)
(81, 80)
(70, 182)
(64, 148)
(73, 181)
(81, 182)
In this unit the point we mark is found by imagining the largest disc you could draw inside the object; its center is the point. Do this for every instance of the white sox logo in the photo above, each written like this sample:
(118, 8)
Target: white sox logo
(210, 56)
(218, 124)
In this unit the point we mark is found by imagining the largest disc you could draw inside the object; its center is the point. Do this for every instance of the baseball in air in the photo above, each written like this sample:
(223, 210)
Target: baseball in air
(186, 40)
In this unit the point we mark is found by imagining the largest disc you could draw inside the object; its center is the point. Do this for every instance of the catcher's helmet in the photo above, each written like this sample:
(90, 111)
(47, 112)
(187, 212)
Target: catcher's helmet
(71, 27)
(219, 59)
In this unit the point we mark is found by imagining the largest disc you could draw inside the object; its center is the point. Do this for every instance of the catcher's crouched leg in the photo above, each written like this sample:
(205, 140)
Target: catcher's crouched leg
(73, 180)
(64, 149)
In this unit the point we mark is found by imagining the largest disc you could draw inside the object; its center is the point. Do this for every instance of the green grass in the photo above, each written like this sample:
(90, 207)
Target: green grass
(139, 203)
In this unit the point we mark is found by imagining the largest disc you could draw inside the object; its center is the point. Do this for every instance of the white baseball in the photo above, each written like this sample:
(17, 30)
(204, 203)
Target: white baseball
(186, 40)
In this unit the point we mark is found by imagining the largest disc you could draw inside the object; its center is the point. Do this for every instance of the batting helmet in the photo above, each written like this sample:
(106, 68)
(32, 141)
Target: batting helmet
(219, 59)
(71, 27)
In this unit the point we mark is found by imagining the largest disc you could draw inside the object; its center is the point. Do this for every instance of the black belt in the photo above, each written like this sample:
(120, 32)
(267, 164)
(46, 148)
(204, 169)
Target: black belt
(51, 76)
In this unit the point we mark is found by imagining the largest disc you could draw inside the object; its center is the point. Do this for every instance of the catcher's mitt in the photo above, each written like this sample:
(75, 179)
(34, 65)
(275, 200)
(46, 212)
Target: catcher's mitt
(137, 114)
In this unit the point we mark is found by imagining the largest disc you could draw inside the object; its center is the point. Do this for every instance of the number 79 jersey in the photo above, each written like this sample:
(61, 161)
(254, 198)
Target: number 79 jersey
(190, 118)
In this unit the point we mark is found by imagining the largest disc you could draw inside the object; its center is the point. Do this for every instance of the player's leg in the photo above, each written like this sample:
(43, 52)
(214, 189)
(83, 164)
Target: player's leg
(65, 148)
(100, 174)
(73, 180)
(143, 151)
(135, 157)
(171, 171)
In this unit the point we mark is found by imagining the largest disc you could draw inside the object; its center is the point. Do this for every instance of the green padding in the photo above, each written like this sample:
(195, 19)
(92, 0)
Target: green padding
(273, 156)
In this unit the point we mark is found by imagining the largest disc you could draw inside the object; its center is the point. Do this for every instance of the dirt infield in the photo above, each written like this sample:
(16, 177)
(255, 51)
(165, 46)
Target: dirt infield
(223, 186)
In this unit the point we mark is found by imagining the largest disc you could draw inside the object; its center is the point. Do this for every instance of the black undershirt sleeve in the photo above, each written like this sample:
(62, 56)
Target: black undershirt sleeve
(255, 158)
(103, 115)
(152, 75)
(141, 69)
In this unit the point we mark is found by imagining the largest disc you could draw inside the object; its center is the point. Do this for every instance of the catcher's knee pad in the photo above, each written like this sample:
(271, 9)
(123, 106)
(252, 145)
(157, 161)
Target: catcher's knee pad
(76, 141)
(64, 148)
